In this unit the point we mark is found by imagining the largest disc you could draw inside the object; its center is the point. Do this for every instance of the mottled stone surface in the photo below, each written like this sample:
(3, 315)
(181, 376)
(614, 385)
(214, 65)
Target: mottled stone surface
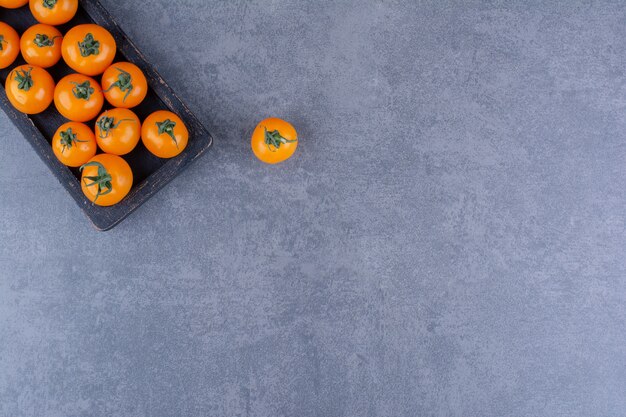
(449, 239)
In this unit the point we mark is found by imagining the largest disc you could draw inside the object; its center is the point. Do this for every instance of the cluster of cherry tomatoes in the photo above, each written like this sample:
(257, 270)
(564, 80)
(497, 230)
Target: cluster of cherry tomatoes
(89, 50)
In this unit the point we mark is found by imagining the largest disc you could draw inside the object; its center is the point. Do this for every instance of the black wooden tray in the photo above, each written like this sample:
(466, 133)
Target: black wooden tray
(150, 172)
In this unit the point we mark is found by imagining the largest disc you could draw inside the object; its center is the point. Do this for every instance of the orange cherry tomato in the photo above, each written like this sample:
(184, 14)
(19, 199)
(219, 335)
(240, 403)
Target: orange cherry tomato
(30, 89)
(12, 4)
(118, 131)
(53, 12)
(124, 85)
(88, 49)
(164, 134)
(41, 45)
(274, 140)
(78, 97)
(74, 144)
(106, 179)
(9, 45)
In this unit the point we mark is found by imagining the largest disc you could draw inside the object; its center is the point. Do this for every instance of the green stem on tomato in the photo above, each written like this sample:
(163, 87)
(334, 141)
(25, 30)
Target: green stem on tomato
(89, 46)
(49, 4)
(167, 126)
(42, 40)
(82, 91)
(106, 124)
(25, 81)
(102, 180)
(124, 83)
(275, 139)
(68, 139)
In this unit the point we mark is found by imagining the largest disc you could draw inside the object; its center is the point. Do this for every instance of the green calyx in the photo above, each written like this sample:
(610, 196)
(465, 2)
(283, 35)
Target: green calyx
(68, 139)
(124, 82)
(275, 139)
(2, 42)
(102, 180)
(49, 4)
(89, 46)
(106, 124)
(82, 91)
(167, 126)
(23, 78)
(44, 40)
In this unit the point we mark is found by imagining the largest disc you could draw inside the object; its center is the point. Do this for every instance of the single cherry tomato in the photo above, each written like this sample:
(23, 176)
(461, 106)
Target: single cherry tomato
(9, 45)
(30, 89)
(274, 140)
(124, 85)
(53, 12)
(12, 4)
(118, 131)
(164, 134)
(88, 49)
(41, 45)
(78, 97)
(106, 179)
(74, 144)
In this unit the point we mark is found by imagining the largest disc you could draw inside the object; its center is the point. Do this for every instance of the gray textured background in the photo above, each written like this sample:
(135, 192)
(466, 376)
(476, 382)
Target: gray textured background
(448, 240)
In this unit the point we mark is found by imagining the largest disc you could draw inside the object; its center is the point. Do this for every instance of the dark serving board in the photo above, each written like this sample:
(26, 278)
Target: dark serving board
(150, 172)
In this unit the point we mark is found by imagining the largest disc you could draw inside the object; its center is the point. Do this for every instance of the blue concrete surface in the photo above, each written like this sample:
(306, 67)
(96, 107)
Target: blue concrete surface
(449, 239)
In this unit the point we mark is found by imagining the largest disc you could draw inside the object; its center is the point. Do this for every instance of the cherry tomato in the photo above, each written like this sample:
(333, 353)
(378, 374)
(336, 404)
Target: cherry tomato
(30, 89)
(53, 12)
(274, 140)
(9, 45)
(88, 49)
(12, 4)
(41, 45)
(106, 179)
(164, 134)
(118, 131)
(124, 85)
(74, 144)
(78, 97)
